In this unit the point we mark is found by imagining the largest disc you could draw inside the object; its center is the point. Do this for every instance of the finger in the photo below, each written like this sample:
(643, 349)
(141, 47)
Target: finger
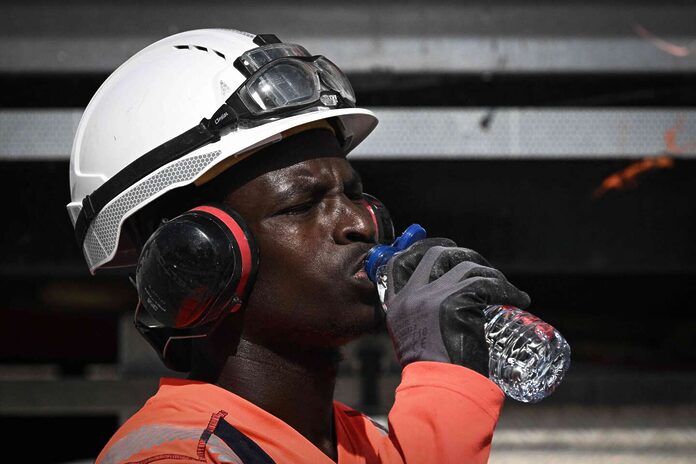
(421, 274)
(402, 266)
(466, 270)
(438, 260)
(488, 291)
(452, 257)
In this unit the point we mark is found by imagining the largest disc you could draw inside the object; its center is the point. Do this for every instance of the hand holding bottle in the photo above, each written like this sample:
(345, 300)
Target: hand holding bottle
(447, 304)
(436, 298)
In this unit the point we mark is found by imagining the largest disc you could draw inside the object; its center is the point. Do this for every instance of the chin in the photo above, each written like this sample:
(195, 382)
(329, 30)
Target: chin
(365, 320)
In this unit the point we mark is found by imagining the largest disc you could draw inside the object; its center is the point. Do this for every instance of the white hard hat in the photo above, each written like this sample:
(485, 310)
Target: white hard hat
(163, 92)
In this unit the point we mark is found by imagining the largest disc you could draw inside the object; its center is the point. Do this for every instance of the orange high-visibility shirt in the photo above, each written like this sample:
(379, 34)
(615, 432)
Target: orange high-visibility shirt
(442, 414)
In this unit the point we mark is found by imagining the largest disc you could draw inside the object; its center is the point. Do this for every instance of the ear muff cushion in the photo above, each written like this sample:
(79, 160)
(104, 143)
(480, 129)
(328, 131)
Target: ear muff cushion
(244, 243)
(195, 267)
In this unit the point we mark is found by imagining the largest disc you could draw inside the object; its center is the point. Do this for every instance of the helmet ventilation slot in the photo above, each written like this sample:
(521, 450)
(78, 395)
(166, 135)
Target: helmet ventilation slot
(198, 47)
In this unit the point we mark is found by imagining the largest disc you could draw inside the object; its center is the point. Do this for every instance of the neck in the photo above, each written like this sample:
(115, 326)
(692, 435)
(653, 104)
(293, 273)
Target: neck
(293, 384)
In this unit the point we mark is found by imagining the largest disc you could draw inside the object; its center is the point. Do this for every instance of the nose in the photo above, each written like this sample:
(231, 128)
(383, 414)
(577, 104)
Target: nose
(355, 223)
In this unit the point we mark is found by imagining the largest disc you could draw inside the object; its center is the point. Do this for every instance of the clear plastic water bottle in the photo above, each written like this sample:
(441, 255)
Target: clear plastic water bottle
(527, 357)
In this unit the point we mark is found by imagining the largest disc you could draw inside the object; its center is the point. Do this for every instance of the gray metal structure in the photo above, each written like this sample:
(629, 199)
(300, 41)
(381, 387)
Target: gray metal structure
(418, 133)
(486, 38)
(399, 36)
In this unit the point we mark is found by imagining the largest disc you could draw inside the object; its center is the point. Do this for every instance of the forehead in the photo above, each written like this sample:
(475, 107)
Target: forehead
(314, 173)
(319, 169)
(307, 146)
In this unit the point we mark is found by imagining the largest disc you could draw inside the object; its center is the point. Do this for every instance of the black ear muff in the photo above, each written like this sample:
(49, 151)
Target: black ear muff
(381, 218)
(192, 271)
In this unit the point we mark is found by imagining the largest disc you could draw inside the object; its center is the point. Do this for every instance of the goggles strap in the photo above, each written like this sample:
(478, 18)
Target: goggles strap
(265, 39)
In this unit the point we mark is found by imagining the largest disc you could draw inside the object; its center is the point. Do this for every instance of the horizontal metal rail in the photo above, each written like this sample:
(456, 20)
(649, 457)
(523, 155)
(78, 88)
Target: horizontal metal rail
(424, 133)
(497, 37)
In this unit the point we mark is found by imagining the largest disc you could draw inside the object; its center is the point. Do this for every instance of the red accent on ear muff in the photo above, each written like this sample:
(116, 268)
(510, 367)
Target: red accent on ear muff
(243, 247)
(368, 207)
(380, 217)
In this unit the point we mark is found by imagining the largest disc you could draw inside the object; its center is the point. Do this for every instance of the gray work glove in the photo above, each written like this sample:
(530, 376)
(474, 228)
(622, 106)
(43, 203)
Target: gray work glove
(435, 300)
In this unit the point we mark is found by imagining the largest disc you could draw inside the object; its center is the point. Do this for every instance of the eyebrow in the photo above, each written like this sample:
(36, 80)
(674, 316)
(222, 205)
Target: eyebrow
(301, 185)
(305, 184)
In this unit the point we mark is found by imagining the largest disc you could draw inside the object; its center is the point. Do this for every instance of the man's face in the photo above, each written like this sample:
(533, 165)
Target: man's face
(313, 233)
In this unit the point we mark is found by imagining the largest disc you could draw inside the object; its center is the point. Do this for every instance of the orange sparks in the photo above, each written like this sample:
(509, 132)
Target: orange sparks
(627, 177)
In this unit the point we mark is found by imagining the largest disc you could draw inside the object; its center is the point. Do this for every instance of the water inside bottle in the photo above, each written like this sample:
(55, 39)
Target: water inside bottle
(528, 357)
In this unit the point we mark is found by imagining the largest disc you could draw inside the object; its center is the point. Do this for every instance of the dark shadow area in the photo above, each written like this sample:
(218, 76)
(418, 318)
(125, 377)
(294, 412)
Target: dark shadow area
(57, 439)
(615, 274)
(568, 90)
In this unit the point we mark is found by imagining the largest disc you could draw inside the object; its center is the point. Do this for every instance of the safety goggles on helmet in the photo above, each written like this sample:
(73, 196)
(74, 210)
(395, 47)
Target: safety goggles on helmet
(282, 80)
(284, 77)
(288, 84)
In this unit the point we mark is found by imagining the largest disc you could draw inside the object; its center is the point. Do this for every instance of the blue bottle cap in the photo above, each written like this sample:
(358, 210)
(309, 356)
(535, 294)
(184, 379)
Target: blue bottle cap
(411, 235)
(379, 255)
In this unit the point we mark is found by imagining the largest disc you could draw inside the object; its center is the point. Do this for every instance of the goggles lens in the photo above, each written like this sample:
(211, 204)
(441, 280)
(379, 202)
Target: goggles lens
(255, 59)
(284, 78)
(283, 85)
(335, 79)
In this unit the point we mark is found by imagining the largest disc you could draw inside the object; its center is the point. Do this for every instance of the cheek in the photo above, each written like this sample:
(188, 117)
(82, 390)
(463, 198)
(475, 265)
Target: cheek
(289, 267)
(300, 295)
(300, 271)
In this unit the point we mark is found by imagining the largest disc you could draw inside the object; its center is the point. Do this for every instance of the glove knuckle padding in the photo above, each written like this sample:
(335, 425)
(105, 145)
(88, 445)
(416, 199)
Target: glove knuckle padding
(401, 267)
(451, 257)
(492, 291)
(437, 261)
(468, 269)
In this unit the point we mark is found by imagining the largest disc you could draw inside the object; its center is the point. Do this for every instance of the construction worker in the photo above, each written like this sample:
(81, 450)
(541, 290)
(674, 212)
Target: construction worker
(212, 167)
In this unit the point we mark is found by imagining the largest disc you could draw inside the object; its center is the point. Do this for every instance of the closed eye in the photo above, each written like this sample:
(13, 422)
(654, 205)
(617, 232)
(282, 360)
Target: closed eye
(353, 188)
(299, 208)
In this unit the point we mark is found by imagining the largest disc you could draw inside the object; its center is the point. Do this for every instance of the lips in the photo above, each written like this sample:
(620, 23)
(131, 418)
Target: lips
(360, 264)
(361, 275)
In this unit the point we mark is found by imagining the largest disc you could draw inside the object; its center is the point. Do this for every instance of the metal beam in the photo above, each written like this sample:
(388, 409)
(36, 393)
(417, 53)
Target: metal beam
(437, 133)
(37, 134)
(497, 37)
(526, 134)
